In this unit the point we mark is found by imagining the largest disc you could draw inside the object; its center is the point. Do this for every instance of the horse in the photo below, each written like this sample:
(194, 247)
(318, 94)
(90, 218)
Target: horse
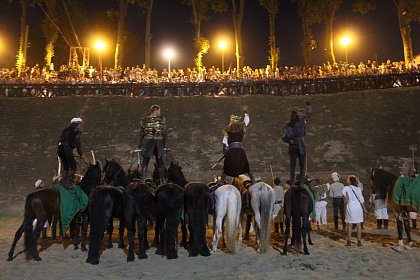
(105, 203)
(138, 200)
(45, 204)
(227, 203)
(196, 204)
(262, 203)
(298, 205)
(383, 184)
(169, 202)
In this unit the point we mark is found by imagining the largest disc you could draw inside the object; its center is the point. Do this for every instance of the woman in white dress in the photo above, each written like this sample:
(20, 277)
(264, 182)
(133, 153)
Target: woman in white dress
(354, 208)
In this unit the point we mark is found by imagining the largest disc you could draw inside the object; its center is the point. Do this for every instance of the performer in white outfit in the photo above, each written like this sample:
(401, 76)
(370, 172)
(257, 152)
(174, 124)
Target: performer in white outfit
(278, 210)
(320, 193)
(354, 208)
(381, 211)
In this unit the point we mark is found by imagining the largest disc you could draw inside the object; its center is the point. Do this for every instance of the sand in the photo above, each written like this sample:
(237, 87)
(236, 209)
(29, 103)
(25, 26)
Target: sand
(328, 259)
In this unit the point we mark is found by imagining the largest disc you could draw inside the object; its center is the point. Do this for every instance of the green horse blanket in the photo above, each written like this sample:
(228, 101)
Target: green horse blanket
(407, 192)
(71, 204)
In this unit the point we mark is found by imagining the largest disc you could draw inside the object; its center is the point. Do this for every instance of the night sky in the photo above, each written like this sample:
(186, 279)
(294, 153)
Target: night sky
(376, 34)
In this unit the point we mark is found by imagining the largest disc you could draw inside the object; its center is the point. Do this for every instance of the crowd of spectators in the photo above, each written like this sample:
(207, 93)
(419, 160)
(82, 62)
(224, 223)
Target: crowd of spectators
(64, 74)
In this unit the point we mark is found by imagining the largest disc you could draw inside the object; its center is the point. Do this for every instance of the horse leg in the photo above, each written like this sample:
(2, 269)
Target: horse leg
(184, 232)
(109, 231)
(305, 229)
(257, 226)
(142, 231)
(84, 231)
(241, 218)
(54, 226)
(400, 234)
(286, 234)
(121, 233)
(159, 232)
(218, 233)
(18, 235)
(172, 222)
(36, 234)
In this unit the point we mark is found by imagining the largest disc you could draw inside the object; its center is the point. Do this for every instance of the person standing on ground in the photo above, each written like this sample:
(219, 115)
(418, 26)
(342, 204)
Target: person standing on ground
(354, 208)
(336, 192)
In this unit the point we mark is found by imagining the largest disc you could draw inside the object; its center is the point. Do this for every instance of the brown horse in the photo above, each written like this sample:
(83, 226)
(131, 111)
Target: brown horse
(383, 183)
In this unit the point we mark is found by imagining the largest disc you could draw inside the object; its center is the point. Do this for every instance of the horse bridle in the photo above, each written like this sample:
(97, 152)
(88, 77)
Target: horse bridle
(114, 178)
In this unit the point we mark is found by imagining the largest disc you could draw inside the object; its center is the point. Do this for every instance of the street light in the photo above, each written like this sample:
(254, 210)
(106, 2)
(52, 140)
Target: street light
(100, 46)
(346, 41)
(169, 53)
(222, 46)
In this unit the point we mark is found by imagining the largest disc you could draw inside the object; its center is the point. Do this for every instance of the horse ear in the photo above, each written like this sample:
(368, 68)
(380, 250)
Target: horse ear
(106, 160)
(172, 162)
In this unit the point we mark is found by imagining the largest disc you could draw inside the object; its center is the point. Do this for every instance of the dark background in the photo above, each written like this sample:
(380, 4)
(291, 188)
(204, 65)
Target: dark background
(376, 34)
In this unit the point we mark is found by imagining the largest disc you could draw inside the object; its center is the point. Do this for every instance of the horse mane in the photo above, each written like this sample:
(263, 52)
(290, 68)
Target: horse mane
(121, 178)
(382, 182)
(176, 175)
(92, 178)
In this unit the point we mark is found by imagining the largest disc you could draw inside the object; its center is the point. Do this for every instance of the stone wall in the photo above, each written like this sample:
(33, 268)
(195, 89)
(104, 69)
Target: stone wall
(348, 132)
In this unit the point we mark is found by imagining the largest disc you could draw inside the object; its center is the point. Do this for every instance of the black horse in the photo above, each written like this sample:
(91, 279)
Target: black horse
(196, 205)
(298, 205)
(106, 203)
(139, 205)
(43, 205)
(383, 184)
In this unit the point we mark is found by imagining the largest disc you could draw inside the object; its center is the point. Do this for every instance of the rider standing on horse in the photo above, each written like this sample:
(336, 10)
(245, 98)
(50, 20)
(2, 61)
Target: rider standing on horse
(236, 162)
(69, 140)
(293, 133)
(153, 141)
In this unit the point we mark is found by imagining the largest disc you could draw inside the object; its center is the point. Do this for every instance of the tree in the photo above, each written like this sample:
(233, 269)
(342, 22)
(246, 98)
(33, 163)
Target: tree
(147, 8)
(119, 46)
(408, 11)
(49, 28)
(310, 13)
(200, 12)
(238, 16)
(272, 7)
(328, 8)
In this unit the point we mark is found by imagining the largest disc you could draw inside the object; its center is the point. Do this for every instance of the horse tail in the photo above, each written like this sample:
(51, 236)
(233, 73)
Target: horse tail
(232, 220)
(29, 216)
(266, 210)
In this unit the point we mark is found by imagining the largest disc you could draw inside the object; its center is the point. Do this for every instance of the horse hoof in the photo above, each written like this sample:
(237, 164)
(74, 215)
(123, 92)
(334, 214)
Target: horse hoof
(193, 254)
(284, 254)
(76, 247)
(130, 258)
(121, 246)
(306, 253)
(205, 252)
(159, 252)
(110, 246)
(399, 248)
(84, 249)
(93, 262)
(9, 259)
(143, 256)
(172, 256)
(37, 258)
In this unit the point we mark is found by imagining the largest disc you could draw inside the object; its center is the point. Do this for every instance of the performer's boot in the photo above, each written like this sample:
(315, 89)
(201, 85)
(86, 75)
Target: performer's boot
(251, 177)
(162, 179)
(414, 222)
(378, 224)
(69, 185)
(64, 177)
(385, 223)
(143, 173)
(276, 227)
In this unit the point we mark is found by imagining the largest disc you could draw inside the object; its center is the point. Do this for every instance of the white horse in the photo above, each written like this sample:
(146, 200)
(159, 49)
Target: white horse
(227, 203)
(262, 203)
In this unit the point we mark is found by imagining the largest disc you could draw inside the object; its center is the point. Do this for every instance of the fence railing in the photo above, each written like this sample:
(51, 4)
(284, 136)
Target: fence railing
(228, 88)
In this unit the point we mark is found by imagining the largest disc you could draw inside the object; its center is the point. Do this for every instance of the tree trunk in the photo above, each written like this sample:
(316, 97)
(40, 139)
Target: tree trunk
(405, 30)
(122, 13)
(329, 36)
(272, 41)
(148, 35)
(307, 42)
(21, 56)
(237, 25)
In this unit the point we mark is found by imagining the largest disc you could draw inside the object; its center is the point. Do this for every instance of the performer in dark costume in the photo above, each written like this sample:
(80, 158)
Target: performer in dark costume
(293, 134)
(153, 141)
(235, 162)
(69, 140)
